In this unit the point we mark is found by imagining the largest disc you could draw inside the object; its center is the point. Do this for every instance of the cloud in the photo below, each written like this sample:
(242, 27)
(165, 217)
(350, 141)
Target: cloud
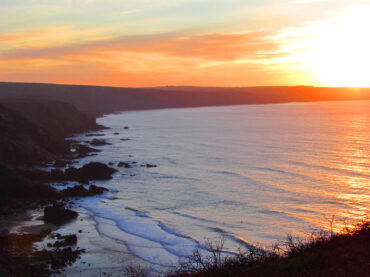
(215, 46)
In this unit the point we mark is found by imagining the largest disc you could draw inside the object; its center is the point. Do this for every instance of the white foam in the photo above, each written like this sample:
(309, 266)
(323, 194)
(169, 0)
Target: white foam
(144, 236)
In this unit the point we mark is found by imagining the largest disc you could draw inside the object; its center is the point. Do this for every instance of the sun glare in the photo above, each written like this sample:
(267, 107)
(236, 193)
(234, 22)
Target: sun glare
(338, 53)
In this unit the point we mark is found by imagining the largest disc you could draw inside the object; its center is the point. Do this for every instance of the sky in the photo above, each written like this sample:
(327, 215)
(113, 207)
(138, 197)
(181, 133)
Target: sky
(140, 43)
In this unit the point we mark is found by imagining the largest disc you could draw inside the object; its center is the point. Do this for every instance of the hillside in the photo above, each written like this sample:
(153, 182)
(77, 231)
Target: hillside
(33, 131)
(97, 100)
(23, 142)
(58, 118)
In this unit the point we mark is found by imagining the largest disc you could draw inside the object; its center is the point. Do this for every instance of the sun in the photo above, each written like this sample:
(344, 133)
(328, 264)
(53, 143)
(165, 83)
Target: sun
(337, 53)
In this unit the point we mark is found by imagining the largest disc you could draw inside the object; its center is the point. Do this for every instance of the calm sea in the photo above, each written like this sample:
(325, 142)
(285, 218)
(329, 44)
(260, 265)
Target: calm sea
(251, 174)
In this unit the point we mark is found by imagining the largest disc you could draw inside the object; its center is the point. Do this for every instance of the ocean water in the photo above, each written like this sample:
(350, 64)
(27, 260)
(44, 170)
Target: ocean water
(251, 174)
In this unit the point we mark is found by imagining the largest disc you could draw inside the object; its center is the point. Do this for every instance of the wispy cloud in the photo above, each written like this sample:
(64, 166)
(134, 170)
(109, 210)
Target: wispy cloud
(216, 46)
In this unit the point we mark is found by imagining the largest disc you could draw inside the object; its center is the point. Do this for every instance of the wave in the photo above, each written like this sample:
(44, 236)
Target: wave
(301, 176)
(201, 219)
(337, 170)
(232, 237)
(147, 238)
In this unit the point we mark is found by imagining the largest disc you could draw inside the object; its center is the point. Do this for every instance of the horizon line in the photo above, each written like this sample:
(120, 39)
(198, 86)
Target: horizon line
(178, 86)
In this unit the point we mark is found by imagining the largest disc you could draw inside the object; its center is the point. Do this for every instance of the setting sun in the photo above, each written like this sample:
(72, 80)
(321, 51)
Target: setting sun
(338, 54)
(212, 43)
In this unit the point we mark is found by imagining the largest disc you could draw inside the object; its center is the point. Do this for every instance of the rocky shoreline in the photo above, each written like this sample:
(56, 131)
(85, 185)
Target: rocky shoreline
(38, 198)
(18, 255)
(26, 186)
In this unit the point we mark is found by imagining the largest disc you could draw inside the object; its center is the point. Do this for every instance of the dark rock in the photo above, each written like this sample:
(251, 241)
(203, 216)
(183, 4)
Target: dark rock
(56, 174)
(124, 164)
(96, 171)
(84, 150)
(95, 135)
(77, 191)
(126, 127)
(148, 165)
(58, 258)
(95, 190)
(110, 163)
(68, 240)
(58, 215)
(90, 171)
(125, 139)
(115, 133)
(98, 142)
(60, 163)
(80, 191)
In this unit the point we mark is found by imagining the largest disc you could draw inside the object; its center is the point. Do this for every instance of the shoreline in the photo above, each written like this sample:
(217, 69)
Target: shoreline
(79, 267)
(99, 256)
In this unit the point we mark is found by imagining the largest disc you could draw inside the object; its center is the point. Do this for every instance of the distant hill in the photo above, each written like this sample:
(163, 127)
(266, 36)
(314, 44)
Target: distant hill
(98, 100)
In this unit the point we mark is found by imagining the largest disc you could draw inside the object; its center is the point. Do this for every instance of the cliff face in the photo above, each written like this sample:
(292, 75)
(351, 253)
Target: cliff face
(58, 118)
(23, 142)
(33, 131)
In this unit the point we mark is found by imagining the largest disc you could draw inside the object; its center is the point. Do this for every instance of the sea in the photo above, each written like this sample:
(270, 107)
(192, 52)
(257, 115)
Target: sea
(248, 175)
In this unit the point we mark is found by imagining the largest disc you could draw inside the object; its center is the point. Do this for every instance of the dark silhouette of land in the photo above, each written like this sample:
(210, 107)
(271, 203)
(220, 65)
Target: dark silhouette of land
(98, 100)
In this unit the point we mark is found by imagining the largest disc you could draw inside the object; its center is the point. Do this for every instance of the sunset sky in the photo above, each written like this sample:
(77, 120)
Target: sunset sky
(186, 42)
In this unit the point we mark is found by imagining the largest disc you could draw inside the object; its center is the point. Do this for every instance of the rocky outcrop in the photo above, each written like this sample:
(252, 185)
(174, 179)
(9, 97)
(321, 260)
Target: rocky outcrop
(124, 164)
(84, 174)
(58, 214)
(81, 191)
(98, 142)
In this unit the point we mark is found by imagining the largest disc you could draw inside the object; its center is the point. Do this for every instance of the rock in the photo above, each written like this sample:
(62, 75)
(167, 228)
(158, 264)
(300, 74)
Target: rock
(58, 258)
(58, 215)
(110, 163)
(77, 191)
(125, 128)
(90, 171)
(148, 165)
(115, 133)
(124, 164)
(96, 171)
(125, 139)
(95, 135)
(95, 190)
(67, 240)
(56, 174)
(83, 150)
(98, 142)
(60, 163)
(80, 191)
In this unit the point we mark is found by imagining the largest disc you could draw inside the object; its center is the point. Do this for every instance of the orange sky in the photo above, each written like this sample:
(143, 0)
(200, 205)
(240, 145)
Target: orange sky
(186, 42)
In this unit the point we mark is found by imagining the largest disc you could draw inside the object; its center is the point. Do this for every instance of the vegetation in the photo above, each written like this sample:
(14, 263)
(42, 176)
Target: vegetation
(323, 254)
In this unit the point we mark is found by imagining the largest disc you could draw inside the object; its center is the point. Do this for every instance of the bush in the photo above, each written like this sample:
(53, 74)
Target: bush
(322, 254)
